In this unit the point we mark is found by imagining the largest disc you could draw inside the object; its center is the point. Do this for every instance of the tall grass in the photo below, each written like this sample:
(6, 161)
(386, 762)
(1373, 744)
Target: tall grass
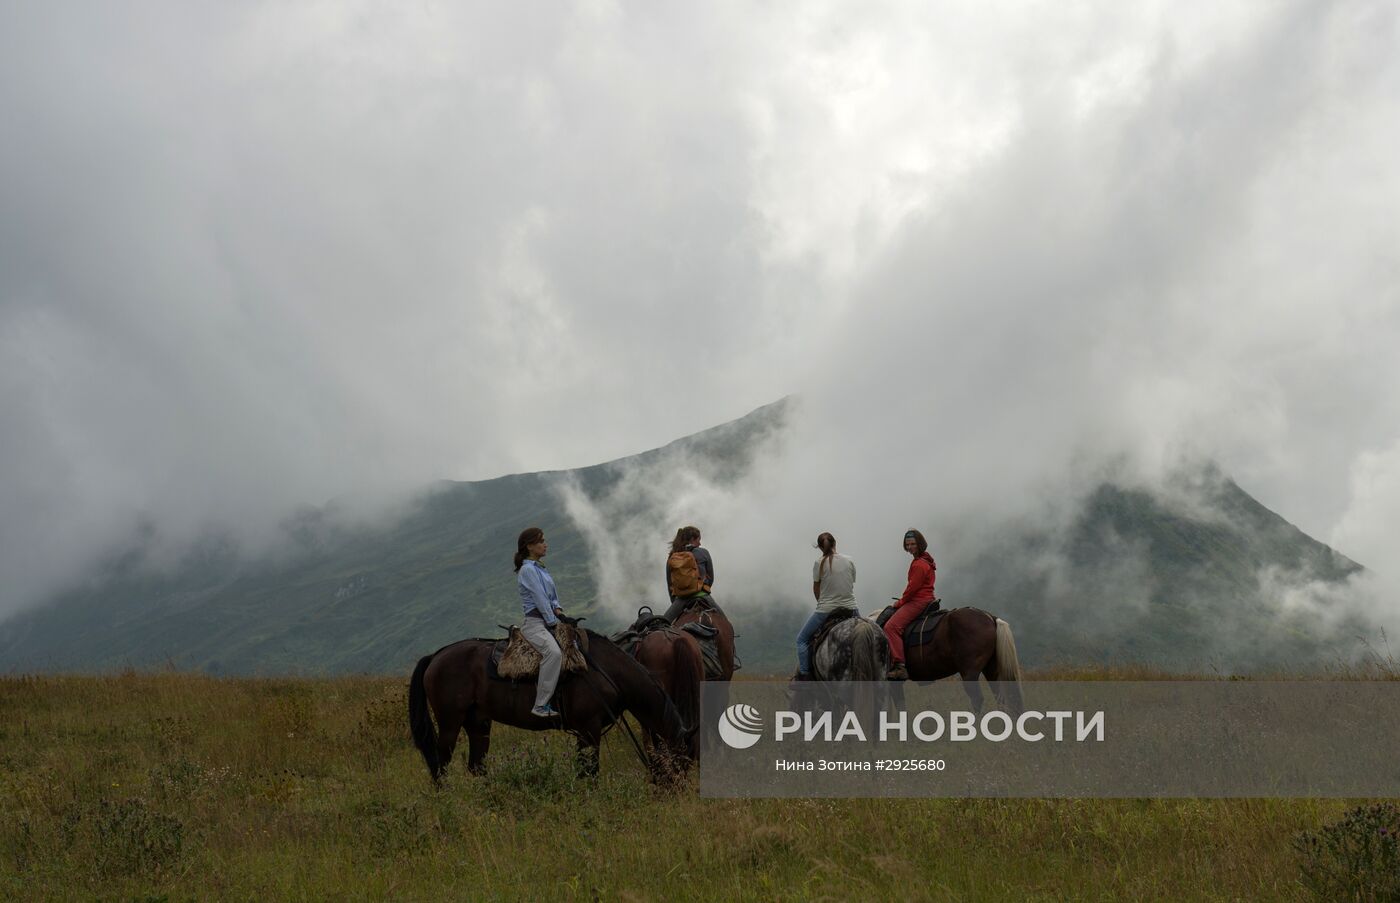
(175, 786)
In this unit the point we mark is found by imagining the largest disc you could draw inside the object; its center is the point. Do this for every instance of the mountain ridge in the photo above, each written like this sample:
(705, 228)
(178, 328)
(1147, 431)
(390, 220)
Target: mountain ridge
(1146, 582)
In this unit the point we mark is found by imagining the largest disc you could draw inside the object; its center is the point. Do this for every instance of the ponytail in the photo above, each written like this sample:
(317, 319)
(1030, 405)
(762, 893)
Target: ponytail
(827, 544)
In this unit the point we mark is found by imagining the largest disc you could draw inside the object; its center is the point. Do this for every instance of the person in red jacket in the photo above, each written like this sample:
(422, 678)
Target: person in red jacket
(918, 595)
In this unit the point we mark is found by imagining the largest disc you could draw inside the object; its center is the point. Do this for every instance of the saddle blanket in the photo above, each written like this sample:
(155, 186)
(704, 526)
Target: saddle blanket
(515, 659)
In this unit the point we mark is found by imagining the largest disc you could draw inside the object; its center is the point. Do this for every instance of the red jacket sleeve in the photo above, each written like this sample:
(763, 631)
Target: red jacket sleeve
(920, 576)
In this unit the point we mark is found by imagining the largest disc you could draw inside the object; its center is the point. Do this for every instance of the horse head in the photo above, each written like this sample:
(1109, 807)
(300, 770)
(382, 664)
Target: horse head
(670, 759)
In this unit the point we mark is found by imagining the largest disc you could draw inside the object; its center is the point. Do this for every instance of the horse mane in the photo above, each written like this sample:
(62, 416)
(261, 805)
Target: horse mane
(672, 723)
(615, 656)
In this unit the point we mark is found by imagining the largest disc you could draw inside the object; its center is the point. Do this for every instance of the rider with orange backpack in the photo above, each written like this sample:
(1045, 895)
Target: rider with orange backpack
(690, 571)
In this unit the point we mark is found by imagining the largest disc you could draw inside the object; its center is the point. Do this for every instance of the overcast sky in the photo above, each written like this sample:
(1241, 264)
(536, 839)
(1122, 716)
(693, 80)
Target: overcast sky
(259, 256)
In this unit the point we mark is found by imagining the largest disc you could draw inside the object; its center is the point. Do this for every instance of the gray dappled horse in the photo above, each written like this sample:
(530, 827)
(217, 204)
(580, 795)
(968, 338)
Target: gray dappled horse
(854, 648)
(851, 649)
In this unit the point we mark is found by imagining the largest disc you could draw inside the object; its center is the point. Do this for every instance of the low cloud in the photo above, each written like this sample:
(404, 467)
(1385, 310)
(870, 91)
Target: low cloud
(255, 258)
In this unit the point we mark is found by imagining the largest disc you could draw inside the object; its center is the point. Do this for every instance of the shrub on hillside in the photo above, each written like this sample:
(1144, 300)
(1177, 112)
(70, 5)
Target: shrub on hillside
(1355, 858)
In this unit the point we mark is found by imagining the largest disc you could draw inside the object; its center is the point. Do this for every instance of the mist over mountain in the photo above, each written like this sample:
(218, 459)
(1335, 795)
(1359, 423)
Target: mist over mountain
(340, 596)
(1223, 584)
(1195, 575)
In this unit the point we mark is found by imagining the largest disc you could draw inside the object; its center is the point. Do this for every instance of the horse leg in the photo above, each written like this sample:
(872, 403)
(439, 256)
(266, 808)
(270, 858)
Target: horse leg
(894, 695)
(974, 691)
(971, 649)
(989, 671)
(586, 759)
(651, 741)
(718, 691)
(970, 670)
(449, 725)
(478, 743)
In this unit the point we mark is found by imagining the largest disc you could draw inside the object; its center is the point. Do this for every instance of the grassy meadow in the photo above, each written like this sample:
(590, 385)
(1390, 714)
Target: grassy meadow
(175, 786)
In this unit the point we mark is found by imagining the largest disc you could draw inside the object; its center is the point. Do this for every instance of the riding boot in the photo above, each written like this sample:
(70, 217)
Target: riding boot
(897, 672)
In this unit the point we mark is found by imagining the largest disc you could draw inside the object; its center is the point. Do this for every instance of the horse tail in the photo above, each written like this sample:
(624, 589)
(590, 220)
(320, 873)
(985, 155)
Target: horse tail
(419, 721)
(1008, 673)
(868, 651)
(688, 673)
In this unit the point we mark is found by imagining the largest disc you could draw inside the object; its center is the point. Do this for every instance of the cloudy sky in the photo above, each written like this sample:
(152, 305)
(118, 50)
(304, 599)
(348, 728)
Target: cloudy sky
(259, 256)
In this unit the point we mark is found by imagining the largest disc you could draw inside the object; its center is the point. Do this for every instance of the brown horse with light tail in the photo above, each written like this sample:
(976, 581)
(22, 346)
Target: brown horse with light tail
(970, 643)
(455, 685)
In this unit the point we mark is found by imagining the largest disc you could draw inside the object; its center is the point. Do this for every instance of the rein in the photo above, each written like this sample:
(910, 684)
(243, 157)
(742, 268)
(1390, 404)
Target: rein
(641, 756)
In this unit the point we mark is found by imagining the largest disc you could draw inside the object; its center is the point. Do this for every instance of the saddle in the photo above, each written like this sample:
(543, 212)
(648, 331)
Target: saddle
(920, 630)
(700, 604)
(708, 635)
(514, 659)
(648, 621)
(836, 617)
(627, 640)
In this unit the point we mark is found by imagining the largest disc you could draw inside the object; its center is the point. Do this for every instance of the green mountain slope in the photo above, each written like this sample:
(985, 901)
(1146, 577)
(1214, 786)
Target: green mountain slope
(342, 600)
(1134, 580)
(1138, 580)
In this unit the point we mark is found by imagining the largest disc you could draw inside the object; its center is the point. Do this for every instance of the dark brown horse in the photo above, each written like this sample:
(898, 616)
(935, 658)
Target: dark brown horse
(453, 682)
(970, 642)
(709, 615)
(673, 658)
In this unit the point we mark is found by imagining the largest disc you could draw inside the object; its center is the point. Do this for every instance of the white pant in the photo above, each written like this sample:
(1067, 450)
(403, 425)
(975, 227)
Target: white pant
(542, 638)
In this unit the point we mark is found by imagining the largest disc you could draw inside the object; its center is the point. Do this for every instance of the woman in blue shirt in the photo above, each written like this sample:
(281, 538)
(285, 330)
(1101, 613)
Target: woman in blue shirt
(541, 604)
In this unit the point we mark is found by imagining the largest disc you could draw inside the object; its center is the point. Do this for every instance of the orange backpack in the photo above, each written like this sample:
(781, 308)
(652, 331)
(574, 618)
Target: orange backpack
(683, 574)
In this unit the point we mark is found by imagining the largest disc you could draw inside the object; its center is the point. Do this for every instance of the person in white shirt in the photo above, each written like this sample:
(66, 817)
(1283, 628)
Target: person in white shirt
(833, 586)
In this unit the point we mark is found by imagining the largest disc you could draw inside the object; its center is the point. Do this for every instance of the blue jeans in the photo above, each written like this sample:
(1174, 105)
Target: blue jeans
(804, 640)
